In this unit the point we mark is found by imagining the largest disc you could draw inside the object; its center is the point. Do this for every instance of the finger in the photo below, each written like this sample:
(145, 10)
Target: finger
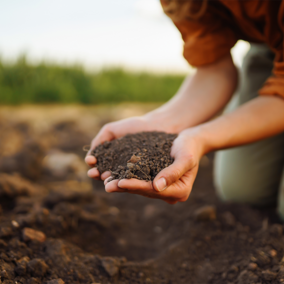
(93, 173)
(113, 186)
(90, 160)
(135, 184)
(173, 173)
(180, 190)
(104, 135)
(105, 175)
(106, 180)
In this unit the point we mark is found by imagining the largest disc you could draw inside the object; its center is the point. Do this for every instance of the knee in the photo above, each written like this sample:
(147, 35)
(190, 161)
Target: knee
(233, 188)
(239, 183)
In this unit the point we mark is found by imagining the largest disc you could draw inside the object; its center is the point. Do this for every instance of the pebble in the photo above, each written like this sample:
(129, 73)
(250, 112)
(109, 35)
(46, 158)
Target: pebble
(33, 235)
(37, 267)
(229, 219)
(6, 271)
(55, 281)
(262, 258)
(6, 232)
(158, 229)
(33, 281)
(121, 242)
(269, 275)
(21, 268)
(273, 253)
(140, 274)
(205, 213)
(276, 230)
(149, 211)
(3, 244)
(15, 224)
(113, 211)
(110, 265)
(252, 266)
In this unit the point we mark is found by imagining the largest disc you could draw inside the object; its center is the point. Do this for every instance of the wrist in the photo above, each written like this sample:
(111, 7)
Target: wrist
(161, 120)
(200, 137)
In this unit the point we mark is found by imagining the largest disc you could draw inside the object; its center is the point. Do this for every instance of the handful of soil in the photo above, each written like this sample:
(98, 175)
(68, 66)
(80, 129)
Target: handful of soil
(142, 155)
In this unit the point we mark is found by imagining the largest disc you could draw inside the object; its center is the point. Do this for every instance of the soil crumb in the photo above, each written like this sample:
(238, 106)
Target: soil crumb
(142, 155)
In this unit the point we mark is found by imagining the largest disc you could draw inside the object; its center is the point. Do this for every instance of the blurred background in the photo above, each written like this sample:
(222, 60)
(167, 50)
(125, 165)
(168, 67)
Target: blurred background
(90, 52)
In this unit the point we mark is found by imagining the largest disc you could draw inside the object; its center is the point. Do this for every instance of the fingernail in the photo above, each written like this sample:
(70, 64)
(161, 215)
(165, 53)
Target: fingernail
(161, 184)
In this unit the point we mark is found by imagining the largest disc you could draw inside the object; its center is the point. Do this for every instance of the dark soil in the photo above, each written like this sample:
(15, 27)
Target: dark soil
(142, 155)
(67, 232)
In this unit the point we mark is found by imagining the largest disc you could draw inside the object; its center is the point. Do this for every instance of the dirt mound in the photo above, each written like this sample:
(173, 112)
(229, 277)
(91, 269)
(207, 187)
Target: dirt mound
(56, 231)
(141, 155)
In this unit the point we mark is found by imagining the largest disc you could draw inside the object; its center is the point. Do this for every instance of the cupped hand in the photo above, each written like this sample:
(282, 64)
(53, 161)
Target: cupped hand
(115, 130)
(174, 183)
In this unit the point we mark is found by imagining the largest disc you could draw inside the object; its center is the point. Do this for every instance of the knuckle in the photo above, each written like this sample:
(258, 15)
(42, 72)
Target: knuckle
(106, 127)
(175, 174)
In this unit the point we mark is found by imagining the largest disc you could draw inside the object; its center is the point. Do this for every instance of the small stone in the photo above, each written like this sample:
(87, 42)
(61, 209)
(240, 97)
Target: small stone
(110, 265)
(276, 230)
(3, 244)
(37, 267)
(121, 242)
(113, 211)
(281, 272)
(273, 253)
(55, 281)
(6, 271)
(21, 267)
(262, 259)
(134, 159)
(205, 213)
(265, 224)
(269, 275)
(33, 235)
(252, 266)
(247, 277)
(184, 265)
(149, 211)
(233, 268)
(141, 274)
(6, 232)
(15, 224)
(34, 281)
(158, 229)
(229, 219)
(8, 282)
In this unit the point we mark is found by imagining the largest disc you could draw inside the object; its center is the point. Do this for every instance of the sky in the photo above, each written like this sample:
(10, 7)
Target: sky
(134, 34)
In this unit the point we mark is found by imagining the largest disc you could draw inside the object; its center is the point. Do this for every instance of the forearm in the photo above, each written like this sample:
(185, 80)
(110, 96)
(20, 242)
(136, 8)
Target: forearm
(260, 118)
(199, 98)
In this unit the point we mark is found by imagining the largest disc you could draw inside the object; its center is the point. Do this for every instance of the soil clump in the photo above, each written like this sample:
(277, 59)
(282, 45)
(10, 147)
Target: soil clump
(142, 155)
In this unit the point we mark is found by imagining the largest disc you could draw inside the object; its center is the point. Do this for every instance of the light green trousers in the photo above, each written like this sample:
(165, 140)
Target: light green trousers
(252, 174)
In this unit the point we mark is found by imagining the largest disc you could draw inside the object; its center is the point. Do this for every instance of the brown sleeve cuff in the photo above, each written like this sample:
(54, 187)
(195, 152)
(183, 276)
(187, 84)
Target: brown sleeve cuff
(274, 85)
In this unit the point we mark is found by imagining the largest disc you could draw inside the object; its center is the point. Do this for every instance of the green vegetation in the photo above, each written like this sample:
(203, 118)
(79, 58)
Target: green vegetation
(21, 82)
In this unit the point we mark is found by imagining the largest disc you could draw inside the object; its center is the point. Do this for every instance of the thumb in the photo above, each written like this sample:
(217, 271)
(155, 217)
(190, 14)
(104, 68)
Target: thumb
(174, 172)
(102, 136)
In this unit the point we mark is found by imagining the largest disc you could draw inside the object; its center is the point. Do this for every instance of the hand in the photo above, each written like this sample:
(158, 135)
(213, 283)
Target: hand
(174, 183)
(115, 130)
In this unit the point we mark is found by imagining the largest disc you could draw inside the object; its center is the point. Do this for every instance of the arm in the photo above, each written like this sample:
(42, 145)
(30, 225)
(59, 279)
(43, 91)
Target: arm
(260, 118)
(199, 99)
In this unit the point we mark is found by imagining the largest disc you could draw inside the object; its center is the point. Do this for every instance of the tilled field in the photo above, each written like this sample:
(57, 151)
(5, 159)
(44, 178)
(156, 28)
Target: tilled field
(56, 226)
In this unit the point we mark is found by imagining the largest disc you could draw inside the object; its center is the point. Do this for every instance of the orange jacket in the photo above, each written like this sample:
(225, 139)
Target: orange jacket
(225, 22)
